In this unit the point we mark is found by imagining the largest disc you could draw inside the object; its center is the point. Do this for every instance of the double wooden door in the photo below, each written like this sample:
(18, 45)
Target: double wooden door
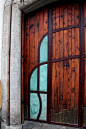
(54, 64)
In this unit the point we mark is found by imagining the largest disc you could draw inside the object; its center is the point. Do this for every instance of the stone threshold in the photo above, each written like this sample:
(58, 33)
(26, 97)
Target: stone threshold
(38, 125)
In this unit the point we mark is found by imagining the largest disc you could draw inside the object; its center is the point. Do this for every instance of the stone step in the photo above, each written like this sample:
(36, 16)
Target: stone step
(38, 125)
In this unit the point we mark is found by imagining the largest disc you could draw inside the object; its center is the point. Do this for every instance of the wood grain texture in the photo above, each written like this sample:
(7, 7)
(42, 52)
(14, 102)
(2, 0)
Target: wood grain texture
(53, 71)
(41, 24)
(65, 72)
(61, 88)
(73, 82)
(76, 14)
(27, 59)
(73, 60)
(57, 69)
(45, 20)
(61, 74)
(57, 83)
(65, 15)
(57, 17)
(70, 42)
(57, 45)
(61, 16)
(53, 85)
(54, 18)
(69, 14)
(73, 14)
(36, 37)
(32, 42)
(73, 42)
(76, 60)
(69, 85)
(76, 83)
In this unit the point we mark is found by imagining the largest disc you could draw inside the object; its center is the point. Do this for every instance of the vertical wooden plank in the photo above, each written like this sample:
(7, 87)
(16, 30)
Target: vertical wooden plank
(77, 53)
(49, 66)
(65, 43)
(36, 37)
(57, 45)
(70, 22)
(61, 88)
(57, 52)
(85, 13)
(76, 68)
(41, 24)
(73, 53)
(69, 15)
(73, 14)
(57, 17)
(70, 41)
(45, 20)
(73, 82)
(65, 55)
(69, 85)
(69, 31)
(54, 46)
(76, 14)
(54, 17)
(53, 70)
(61, 16)
(61, 73)
(76, 83)
(27, 59)
(65, 15)
(24, 63)
(65, 72)
(57, 87)
(32, 42)
(53, 85)
(61, 63)
(73, 42)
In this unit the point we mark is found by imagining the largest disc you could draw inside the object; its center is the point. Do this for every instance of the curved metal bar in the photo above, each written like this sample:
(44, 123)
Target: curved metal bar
(37, 67)
(65, 28)
(40, 106)
(65, 58)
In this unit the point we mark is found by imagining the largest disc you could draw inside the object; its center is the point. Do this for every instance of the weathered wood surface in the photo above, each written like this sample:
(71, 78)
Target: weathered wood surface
(36, 25)
(65, 81)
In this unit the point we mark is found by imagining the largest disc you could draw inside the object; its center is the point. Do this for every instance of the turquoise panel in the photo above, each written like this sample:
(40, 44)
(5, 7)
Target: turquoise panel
(43, 78)
(43, 115)
(33, 81)
(44, 50)
(34, 105)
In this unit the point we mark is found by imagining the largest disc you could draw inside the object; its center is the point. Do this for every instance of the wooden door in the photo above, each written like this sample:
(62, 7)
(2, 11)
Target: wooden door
(65, 64)
(36, 65)
(54, 64)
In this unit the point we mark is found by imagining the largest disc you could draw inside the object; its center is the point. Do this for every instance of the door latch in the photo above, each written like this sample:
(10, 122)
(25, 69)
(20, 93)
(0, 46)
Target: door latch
(66, 63)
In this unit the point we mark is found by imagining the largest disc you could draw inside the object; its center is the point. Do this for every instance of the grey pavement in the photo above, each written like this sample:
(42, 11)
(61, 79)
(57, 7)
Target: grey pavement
(38, 125)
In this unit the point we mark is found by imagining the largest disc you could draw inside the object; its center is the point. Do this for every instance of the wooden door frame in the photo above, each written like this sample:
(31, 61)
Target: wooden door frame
(81, 66)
